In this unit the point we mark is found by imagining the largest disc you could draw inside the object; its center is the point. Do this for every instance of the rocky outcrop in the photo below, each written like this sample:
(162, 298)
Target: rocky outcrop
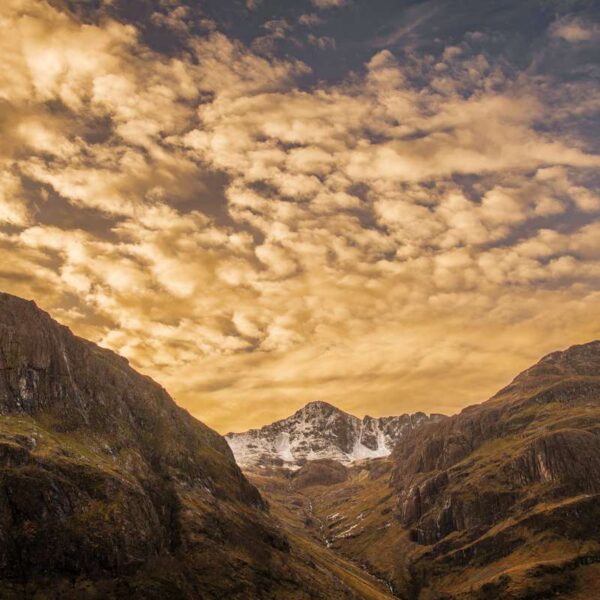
(322, 431)
(109, 490)
(470, 486)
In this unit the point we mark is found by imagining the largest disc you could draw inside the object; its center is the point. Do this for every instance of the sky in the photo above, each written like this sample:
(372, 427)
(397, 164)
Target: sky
(391, 206)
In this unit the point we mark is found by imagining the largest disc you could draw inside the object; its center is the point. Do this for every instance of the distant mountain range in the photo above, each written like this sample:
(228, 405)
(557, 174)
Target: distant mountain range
(321, 431)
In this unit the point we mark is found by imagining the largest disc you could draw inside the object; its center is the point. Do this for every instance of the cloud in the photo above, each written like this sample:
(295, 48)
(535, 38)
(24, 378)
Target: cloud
(310, 20)
(254, 241)
(13, 209)
(176, 19)
(323, 4)
(323, 42)
(574, 30)
(277, 30)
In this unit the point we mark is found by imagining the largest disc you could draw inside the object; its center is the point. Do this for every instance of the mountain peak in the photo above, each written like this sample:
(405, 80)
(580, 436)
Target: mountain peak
(320, 430)
(319, 404)
(316, 407)
(563, 366)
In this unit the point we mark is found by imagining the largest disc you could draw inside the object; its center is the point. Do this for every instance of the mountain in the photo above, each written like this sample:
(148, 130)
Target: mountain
(321, 431)
(510, 489)
(499, 501)
(109, 490)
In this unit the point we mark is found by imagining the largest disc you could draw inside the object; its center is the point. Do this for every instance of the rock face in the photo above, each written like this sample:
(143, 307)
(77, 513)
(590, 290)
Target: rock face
(109, 490)
(518, 475)
(321, 431)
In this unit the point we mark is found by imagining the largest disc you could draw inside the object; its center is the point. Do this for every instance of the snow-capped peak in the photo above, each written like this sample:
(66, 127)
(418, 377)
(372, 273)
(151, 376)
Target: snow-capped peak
(320, 430)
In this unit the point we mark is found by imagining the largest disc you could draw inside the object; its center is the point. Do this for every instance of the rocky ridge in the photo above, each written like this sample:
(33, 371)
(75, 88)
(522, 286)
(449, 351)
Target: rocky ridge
(321, 431)
(500, 477)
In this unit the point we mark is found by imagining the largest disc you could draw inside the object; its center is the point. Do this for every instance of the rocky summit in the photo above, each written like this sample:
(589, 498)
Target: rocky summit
(319, 430)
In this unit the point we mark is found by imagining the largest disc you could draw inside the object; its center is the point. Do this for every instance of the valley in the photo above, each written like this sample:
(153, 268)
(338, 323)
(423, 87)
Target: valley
(109, 490)
(352, 520)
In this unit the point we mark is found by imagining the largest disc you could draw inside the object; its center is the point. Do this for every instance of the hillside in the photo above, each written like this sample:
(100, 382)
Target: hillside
(505, 495)
(109, 490)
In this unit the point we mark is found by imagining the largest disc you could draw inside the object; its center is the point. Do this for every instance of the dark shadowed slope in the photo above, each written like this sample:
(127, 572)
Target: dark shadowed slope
(109, 490)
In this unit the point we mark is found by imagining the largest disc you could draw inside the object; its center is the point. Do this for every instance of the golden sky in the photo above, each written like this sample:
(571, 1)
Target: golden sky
(405, 236)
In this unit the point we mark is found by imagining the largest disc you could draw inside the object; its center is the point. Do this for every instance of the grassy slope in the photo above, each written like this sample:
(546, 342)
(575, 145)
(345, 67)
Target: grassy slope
(303, 514)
